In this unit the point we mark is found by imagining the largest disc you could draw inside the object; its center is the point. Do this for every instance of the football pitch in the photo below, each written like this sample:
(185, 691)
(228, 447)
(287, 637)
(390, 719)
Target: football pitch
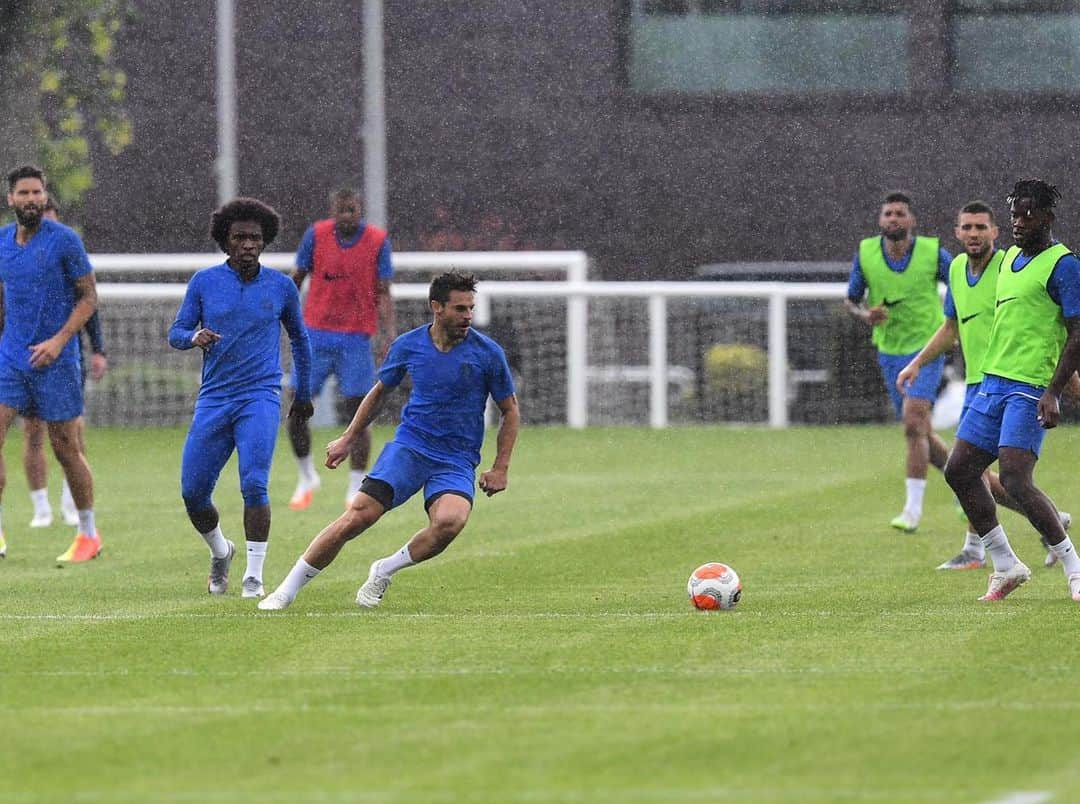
(551, 654)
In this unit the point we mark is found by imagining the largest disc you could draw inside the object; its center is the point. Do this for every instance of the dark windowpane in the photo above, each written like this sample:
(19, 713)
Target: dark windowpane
(1017, 52)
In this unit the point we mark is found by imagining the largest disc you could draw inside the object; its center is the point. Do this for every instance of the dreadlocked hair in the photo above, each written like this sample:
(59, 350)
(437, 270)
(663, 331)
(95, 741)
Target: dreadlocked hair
(1042, 195)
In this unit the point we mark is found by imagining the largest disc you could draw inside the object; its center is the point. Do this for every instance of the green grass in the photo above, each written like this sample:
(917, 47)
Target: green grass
(551, 653)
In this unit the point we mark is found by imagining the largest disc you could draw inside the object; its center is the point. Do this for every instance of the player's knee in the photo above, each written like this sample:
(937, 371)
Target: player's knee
(361, 513)
(446, 526)
(196, 500)
(1016, 483)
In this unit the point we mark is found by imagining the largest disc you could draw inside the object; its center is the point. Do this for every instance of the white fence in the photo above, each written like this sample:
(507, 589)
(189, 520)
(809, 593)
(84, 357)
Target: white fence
(601, 342)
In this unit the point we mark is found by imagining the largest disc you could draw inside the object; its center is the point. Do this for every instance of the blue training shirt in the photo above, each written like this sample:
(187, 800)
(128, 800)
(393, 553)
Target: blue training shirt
(248, 317)
(39, 288)
(305, 255)
(857, 282)
(444, 417)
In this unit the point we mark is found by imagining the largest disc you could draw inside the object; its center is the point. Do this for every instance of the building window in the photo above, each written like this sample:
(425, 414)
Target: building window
(1020, 46)
(767, 47)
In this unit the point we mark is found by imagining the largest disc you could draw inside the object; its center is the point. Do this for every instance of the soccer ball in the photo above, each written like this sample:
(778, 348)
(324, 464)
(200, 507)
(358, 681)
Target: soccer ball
(714, 586)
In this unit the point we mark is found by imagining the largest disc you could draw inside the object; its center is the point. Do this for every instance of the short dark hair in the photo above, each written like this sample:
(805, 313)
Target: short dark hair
(977, 208)
(244, 209)
(443, 284)
(896, 197)
(344, 194)
(25, 172)
(1042, 195)
(51, 203)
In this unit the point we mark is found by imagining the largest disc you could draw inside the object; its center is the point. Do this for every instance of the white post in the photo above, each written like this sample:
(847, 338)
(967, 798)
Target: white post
(226, 164)
(374, 126)
(778, 375)
(577, 344)
(658, 363)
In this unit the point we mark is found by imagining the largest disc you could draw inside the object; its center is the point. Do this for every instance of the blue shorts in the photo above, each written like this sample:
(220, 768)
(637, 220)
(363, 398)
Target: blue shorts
(995, 420)
(346, 355)
(250, 426)
(406, 471)
(925, 385)
(54, 393)
(970, 393)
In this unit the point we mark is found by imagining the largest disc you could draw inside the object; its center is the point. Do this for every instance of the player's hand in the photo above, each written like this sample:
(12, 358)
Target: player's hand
(99, 364)
(45, 353)
(906, 377)
(205, 338)
(877, 315)
(337, 451)
(1049, 411)
(493, 481)
(301, 411)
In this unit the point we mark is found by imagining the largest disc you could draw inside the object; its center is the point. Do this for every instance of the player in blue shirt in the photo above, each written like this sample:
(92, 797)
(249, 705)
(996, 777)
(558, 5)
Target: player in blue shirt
(454, 370)
(49, 295)
(234, 313)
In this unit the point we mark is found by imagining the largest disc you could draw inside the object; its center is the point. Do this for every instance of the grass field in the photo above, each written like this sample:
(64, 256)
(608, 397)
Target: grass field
(551, 653)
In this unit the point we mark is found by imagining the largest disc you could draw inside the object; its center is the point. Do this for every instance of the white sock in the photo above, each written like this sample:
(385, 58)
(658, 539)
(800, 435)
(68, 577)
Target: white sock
(307, 469)
(86, 522)
(973, 545)
(67, 502)
(356, 477)
(215, 540)
(256, 555)
(40, 499)
(397, 561)
(916, 488)
(1066, 553)
(298, 576)
(1001, 552)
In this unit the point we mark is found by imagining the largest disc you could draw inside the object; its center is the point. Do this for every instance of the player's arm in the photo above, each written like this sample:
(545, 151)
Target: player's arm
(305, 257)
(871, 316)
(494, 479)
(99, 363)
(941, 342)
(1049, 409)
(293, 321)
(338, 449)
(186, 332)
(45, 353)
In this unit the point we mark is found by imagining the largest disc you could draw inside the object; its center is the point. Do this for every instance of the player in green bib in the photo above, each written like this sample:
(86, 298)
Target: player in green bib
(969, 315)
(1033, 351)
(894, 290)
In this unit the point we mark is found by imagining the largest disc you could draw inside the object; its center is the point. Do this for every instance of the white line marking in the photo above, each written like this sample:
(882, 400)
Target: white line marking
(1022, 797)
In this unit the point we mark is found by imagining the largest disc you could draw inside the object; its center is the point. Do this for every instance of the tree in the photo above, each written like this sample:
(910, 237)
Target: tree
(61, 88)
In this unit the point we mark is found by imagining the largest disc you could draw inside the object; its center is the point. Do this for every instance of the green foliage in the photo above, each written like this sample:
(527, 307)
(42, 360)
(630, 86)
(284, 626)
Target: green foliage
(736, 381)
(80, 88)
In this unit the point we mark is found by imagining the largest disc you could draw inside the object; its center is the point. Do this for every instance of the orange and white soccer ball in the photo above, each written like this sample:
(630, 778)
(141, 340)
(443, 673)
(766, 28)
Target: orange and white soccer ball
(714, 586)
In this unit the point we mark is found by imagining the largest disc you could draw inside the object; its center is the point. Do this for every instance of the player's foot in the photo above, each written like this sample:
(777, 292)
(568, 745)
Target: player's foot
(962, 561)
(1074, 586)
(905, 521)
(70, 516)
(3, 546)
(275, 601)
(218, 581)
(1002, 583)
(252, 587)
(304, 494)
(1051, 557)
(83, 548)
(371, 593)
(42, 519)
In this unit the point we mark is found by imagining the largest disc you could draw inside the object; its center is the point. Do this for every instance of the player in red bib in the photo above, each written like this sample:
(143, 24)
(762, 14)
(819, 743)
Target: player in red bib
(347, 263)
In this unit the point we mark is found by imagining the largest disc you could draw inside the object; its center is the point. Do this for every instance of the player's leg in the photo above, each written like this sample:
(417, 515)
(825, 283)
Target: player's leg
(356, 375)
(36, 471)
(68, 510)
(299, 430)
(397, 475)
(448, 500)
(63, 436)
(255, 431)
(7, 416)
(207, 447)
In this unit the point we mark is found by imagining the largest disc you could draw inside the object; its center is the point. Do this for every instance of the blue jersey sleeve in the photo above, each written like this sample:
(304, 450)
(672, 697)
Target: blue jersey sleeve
(1063, 286)
(293, 320)
(856, 288)
(93, 331)
(500, 381)
(944, 260)
(393, 369)
(386, 269)
(950, 305)
(305, 255)
(76, 263)
(188, 317)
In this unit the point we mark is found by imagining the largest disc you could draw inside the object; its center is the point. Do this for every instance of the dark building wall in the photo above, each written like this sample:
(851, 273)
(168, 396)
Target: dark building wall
(517, 107)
